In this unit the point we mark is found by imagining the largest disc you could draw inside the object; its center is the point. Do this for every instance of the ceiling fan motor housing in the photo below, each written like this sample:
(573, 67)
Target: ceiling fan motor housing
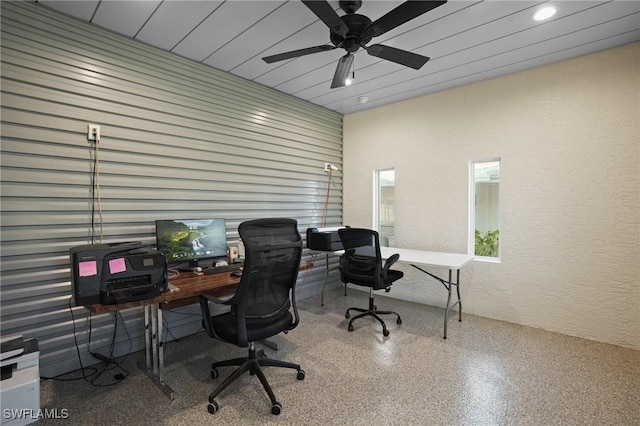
(353, 40)
(351, 6)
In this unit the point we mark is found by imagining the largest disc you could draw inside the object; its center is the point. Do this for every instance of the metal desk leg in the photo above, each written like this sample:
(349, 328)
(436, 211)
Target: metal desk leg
(147, 337)
(154, 340)
(159, 344)
(326, 280)
(154, 350)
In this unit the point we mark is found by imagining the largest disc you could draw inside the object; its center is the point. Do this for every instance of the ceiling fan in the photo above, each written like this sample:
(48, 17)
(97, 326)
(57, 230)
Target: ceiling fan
(353, 31)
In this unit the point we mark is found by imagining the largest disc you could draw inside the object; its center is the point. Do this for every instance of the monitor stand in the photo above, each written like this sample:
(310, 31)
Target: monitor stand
(190, 266)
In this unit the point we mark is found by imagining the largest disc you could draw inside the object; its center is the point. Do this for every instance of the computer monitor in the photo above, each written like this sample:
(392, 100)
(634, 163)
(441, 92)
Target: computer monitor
(188, 241)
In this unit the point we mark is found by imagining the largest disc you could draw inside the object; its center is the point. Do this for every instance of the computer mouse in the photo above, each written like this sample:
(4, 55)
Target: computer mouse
(236, 273)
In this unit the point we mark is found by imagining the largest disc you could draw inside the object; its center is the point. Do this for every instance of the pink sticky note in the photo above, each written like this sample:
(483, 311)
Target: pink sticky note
(88, 268)
(117, 265)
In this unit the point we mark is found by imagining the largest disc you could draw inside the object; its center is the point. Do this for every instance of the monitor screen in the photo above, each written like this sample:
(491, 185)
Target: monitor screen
(190, 240)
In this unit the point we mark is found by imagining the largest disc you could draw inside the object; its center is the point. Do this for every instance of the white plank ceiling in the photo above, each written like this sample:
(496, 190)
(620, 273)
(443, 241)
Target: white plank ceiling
(467, 41)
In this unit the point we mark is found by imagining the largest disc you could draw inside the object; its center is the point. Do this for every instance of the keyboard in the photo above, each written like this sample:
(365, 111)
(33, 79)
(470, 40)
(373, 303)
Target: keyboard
(222, 268)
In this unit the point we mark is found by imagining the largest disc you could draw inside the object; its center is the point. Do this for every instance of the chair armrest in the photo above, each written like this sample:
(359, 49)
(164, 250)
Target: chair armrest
(206, 317)
(390, 261)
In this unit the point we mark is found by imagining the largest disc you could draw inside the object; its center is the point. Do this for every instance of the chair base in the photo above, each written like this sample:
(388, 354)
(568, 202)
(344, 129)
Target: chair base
(251, 364)
(373, 312)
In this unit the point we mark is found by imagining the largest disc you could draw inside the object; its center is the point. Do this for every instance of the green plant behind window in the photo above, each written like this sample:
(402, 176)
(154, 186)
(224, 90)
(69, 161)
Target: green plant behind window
(487, 243)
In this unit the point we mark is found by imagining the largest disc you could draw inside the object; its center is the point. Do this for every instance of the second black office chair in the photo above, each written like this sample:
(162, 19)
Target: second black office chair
(264, 303)
(361, 264)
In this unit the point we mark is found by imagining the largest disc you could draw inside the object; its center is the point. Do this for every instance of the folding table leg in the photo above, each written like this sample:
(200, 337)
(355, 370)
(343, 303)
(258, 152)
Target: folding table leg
(448, 284)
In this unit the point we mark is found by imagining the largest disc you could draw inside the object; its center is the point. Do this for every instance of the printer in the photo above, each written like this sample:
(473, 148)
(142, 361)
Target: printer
(20, 385)
(324, 239)
(116, 273)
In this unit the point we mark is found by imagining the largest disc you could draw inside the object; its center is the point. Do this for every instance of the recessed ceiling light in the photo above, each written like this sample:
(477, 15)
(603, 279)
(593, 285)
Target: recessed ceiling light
(544, 13)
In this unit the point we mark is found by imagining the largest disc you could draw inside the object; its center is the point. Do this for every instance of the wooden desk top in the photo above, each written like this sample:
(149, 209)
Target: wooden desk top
(191, 287)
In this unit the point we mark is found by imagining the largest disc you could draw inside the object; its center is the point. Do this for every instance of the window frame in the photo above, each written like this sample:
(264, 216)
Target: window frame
(377, 196)
(472, 211)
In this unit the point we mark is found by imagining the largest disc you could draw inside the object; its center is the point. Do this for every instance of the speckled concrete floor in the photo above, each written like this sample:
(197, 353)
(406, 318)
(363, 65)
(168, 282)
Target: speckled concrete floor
(486, 373)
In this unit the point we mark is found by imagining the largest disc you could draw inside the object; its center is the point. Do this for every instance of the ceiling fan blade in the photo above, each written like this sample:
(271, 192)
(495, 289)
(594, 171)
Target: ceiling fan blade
(398, 16)
(399, 56)
(342, 71)
(325, 12)
(296, 53)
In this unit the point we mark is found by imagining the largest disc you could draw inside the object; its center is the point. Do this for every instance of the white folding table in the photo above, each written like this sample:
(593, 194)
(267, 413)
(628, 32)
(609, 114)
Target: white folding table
(420, 259)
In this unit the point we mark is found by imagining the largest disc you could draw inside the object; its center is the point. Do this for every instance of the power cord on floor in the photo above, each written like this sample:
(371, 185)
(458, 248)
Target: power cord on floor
(93, 374)
(111, 362)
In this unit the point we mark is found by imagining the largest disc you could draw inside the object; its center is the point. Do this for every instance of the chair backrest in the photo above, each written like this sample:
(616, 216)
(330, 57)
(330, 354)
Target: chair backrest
(361, 262)
(273, 249)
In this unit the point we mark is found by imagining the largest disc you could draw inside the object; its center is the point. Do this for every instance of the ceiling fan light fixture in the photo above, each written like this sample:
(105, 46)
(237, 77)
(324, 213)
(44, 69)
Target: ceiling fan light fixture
(544, 13)
(349, 80)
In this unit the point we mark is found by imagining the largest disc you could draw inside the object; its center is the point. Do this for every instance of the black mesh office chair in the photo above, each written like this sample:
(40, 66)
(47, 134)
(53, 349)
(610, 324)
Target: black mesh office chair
(264, 304)
(361, 264)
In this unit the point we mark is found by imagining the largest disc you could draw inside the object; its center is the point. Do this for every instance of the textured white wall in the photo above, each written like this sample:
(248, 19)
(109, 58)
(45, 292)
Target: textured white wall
(569, 139)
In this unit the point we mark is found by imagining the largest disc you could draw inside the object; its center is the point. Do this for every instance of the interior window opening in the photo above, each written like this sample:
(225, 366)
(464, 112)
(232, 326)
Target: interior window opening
(384, 206)
(485, 217)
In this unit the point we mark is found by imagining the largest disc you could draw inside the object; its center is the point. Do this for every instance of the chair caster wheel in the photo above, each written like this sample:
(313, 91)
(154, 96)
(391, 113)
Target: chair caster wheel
(300, 375)
(399, 321)
(214, 373)
(385, 332)
(213, 407)
(347, 316)
(276, 408)
(350, 327)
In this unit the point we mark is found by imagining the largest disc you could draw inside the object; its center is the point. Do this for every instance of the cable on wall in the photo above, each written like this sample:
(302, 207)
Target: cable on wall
(94, 135)
(323, 220)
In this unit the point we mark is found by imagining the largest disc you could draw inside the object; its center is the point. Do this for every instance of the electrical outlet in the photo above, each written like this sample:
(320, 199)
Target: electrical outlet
(93, 132)
(329, 166)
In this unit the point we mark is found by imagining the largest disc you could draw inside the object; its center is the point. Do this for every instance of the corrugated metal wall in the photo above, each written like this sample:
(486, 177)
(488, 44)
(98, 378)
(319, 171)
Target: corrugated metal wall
(178, 139)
